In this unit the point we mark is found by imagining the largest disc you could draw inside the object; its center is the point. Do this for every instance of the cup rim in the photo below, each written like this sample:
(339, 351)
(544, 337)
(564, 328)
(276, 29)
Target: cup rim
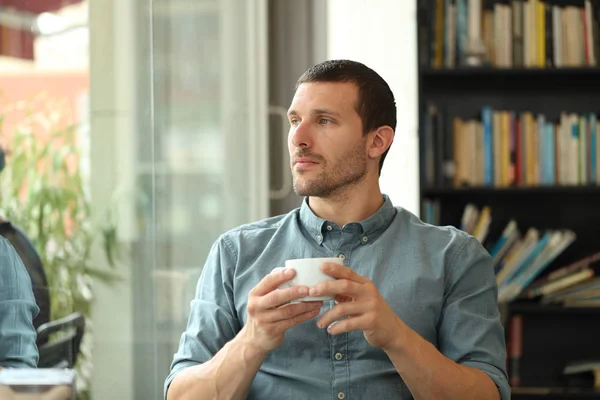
(313, 258)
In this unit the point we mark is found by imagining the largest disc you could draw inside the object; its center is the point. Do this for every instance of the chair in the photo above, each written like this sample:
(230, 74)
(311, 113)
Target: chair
(60, 350)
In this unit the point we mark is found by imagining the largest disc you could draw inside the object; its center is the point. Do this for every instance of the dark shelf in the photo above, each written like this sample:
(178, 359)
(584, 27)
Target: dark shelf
(538, 73)
(518, 88)
(522, 393)
(527, 308)
(525, 190)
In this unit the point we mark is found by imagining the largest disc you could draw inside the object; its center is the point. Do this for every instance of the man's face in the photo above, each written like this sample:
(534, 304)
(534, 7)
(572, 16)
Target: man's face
(326, 142)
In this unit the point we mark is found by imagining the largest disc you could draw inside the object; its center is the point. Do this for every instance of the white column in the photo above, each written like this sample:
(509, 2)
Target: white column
(382, 35)
(112, 128)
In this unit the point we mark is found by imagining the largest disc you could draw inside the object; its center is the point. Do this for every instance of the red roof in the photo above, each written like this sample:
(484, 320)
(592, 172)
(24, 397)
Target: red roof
(19, 43)
(37, 6)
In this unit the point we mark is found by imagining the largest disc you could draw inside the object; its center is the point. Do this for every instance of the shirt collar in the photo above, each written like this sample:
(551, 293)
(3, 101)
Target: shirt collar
(372, 227)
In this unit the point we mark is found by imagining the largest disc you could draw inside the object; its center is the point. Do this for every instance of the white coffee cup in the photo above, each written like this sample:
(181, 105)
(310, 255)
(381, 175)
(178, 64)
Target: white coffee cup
(308, 273)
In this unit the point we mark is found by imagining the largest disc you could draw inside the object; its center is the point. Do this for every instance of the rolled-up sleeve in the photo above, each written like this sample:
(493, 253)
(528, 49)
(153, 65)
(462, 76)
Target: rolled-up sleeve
(470, 331)
(18, 347)
(212, 321)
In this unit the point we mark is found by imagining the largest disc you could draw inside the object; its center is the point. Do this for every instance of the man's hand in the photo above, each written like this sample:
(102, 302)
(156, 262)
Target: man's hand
(358, 299)
(56, 393)
(269, 311)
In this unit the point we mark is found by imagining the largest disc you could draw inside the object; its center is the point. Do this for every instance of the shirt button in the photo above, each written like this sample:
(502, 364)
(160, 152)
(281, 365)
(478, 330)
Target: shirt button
(319, 237)
(338, 356)
(341, 395)
(342, 256)
(365, 239)
(329, 227)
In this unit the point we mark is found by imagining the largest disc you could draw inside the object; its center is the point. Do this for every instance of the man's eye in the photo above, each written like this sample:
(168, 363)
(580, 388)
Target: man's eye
(294, 122)
(324, 121)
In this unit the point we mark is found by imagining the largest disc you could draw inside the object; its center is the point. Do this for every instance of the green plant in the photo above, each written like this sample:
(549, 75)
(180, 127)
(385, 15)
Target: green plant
(44, 192)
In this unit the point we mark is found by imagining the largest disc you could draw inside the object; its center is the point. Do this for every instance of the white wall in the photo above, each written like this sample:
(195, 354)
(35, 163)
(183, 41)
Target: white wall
(382, 35)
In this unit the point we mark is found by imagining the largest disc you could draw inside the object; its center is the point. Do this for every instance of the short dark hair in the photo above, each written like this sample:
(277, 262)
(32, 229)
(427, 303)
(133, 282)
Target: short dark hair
(375, 106)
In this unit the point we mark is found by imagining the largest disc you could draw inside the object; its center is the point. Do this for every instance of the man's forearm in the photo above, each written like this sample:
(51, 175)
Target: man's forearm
(228, 375)
(430, 375)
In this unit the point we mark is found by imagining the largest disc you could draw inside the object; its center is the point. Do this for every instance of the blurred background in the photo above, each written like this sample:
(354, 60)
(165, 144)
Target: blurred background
(137, 131)
(169, 116)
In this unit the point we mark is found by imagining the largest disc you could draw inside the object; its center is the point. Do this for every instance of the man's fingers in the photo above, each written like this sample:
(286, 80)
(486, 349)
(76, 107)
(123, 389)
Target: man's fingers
(289, 311)
(272, 281)
(298, 319)
(342, 272)
(280, 297)
(337, 287)
(358, 323)
(341, 310)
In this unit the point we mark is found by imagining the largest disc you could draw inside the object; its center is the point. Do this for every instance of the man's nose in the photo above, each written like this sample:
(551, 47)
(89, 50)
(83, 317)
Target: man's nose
(301, 135)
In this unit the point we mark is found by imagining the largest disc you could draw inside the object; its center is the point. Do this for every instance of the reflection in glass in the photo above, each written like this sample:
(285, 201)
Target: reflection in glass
(201, 165)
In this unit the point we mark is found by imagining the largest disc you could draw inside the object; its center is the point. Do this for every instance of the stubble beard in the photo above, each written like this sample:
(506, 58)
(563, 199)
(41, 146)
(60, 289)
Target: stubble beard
(348, 171)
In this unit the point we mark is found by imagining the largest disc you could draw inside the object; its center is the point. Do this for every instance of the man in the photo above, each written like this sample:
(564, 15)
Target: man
(18, 348)
(415, 311)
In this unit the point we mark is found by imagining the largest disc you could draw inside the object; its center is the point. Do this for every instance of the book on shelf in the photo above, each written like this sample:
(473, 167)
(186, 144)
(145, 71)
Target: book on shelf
(585, 293)
(508, 34)
(514, 347)
(573, 285)
(520, 274)
(430, 211)
(583, 373)
(520, 257)
(505, 148)
(569, 275)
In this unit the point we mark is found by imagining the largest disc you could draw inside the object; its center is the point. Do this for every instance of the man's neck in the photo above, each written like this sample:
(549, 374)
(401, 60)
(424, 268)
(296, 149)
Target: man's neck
(353, 205)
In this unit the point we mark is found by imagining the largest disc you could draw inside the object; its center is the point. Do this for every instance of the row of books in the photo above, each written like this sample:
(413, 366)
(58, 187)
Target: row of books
(520, 259)
(573, 285)
(505, 148)
(518, 256)
(517, 33)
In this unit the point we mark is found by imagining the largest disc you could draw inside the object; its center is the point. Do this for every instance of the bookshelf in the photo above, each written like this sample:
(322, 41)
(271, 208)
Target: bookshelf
(548, 189)
(560, 394)
(512, 191)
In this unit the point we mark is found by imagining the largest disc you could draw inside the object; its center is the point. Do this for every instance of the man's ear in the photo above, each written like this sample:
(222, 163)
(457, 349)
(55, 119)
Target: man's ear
(381, 140)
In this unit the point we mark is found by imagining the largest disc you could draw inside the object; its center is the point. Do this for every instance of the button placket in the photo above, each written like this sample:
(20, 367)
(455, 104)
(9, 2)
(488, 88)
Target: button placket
(340, 364)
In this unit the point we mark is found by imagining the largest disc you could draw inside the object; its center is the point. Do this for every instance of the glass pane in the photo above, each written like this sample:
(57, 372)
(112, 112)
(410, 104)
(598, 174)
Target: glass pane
(196, 170)
(167, 99)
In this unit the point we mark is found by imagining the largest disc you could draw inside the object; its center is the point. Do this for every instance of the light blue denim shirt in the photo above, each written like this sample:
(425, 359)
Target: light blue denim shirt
(17, 310)
(438, 280)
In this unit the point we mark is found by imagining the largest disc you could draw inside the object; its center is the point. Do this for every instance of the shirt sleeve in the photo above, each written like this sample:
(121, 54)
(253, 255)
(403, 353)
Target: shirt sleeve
(213, 319)
(471, 332)
(18, 347)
